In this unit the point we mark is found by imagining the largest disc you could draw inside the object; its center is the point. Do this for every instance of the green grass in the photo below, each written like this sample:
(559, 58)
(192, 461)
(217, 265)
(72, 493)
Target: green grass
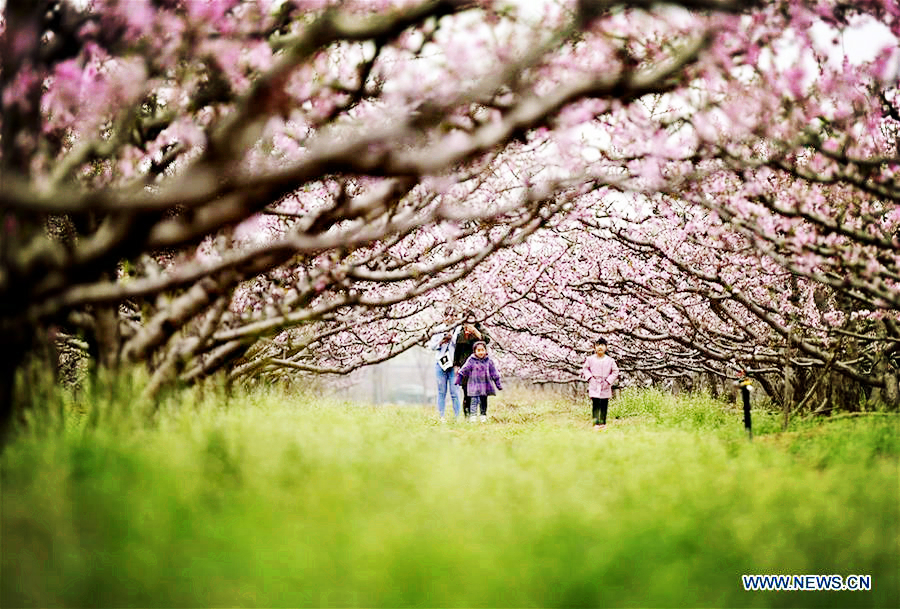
(272, 499)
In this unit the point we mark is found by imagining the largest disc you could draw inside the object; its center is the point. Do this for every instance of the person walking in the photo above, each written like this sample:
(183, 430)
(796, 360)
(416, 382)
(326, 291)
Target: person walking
(601, 372)
(470, 333)
(480, 378)
(444, 343)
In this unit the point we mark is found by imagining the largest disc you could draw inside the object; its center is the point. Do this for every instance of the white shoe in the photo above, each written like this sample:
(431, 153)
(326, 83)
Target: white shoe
(443, 420)
(484, 418)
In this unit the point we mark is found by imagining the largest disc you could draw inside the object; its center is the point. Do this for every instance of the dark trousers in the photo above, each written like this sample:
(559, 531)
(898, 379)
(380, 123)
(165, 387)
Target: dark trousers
(598, 410)
(482, 404)
(467, 401)
(467, 404)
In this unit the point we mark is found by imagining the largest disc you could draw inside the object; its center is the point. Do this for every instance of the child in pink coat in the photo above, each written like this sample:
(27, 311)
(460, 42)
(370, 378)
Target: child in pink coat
(601, 372)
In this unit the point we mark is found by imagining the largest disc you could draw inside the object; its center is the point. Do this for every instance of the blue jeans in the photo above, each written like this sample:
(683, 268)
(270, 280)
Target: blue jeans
(446, 379)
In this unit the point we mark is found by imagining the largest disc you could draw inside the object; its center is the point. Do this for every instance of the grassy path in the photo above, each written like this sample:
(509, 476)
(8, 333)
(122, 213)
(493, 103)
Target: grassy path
(280, 501)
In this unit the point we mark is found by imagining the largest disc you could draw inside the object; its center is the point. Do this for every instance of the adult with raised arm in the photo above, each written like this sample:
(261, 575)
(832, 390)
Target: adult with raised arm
(443, 342)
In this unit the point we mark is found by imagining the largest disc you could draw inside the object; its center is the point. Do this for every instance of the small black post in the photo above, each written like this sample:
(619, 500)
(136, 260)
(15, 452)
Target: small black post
(745, 394)
(746, 386)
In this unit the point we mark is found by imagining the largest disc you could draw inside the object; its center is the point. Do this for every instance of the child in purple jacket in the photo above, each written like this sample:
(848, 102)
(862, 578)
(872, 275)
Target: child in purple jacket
(480, 377)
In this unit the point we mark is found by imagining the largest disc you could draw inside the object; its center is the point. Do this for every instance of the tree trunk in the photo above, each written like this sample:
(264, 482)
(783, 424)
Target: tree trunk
(108, 337)
(9, 364)
(891, 393)
(16, 344)
(770, 388)
(788, 399)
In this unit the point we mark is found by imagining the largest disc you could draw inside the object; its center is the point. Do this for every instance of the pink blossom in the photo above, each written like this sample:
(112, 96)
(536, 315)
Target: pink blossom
(834, 318)
(20, 91)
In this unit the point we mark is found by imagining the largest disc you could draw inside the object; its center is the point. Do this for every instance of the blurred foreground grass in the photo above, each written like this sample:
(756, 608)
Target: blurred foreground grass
(271, 499)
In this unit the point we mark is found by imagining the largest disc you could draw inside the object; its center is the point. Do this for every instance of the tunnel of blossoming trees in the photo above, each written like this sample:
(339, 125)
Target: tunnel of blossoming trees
(279, 188)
